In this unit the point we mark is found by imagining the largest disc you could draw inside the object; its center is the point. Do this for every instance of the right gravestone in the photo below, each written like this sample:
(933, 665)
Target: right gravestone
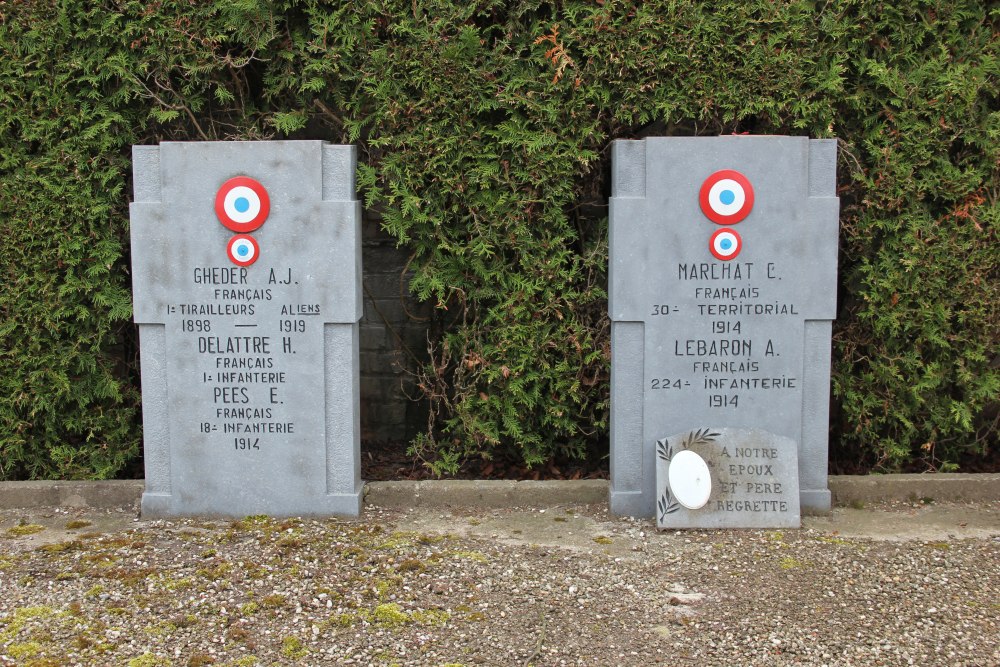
(722, 292)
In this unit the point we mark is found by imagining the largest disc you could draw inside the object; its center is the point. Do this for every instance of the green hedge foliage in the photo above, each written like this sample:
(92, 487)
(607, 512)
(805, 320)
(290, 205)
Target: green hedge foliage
(484, 129)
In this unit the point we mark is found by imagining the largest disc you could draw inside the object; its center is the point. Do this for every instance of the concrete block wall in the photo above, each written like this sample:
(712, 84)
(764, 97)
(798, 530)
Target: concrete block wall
(393, 340)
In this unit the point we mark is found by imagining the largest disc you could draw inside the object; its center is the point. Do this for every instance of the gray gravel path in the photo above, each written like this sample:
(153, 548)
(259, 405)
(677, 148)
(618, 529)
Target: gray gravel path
(902, 584)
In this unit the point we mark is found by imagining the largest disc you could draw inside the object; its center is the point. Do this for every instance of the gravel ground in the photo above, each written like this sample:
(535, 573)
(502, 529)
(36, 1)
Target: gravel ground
(564, 586)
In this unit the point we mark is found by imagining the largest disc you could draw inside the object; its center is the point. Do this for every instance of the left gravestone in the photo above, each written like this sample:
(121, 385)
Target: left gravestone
(246, 273)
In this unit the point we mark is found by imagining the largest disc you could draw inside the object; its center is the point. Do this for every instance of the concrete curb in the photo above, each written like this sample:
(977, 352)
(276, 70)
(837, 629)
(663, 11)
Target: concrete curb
(485, 493)
(99, 495)
(942, 487)
(479, 494)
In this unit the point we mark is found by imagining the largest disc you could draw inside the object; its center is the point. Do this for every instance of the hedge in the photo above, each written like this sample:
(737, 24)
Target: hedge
(484, 128)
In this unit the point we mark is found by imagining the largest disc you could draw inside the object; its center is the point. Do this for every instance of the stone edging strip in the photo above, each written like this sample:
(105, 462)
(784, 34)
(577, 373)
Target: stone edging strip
(99, 495)
(485, 493)
(850, 490)
(847, 491)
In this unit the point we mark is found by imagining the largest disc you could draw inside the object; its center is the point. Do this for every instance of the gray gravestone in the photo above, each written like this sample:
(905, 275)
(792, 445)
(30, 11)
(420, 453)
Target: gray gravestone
(246, 274)
(750, 480)
(722, 292)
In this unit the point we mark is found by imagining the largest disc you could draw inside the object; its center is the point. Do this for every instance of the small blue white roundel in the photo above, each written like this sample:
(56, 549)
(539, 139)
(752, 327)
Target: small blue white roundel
(242, 204)
(725, 244)
(726, 197)
(243, 250)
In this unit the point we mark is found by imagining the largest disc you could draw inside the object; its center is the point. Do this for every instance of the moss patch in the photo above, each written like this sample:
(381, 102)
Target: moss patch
(25, 529)
(470, 555)
(291, 647)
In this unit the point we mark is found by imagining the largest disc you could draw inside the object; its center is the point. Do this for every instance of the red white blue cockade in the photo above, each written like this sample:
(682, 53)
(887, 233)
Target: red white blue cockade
(725, 244)
(243, 250)
(242, 204)
(726, 197)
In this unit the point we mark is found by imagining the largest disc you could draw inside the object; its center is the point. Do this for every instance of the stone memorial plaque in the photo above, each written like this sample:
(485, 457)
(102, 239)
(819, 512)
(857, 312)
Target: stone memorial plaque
(246, 279)
(723, 264)
(737, 478)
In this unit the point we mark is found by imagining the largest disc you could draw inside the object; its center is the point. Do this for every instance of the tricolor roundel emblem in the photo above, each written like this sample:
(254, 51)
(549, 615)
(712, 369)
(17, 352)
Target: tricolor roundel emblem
(725, 244)
(242, 204)
(726, 197)
(242, 250)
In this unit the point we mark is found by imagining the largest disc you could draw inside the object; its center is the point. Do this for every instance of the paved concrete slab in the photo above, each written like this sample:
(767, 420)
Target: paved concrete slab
(591, 528)
(587, 528)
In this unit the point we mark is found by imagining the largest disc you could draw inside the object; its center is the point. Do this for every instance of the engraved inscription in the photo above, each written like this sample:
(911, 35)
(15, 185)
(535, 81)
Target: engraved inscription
(722, 336)
(241, 351)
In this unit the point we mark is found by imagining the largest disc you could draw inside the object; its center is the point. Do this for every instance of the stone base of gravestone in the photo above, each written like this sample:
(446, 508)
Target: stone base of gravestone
(727, 478)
